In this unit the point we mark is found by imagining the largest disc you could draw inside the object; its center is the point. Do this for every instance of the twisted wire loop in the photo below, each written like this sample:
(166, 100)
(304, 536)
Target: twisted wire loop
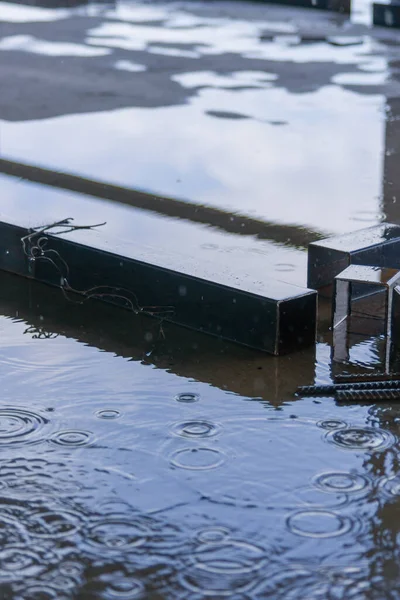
(39, 333)
(35, 247)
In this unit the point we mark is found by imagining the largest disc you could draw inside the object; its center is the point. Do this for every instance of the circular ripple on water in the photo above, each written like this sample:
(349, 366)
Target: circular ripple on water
(331, 424)
(11, 531)
(108, 414)
(361, 438)
(195, 429)
(124, 588)
(212, 535)
(292, 583)
(20, 426)
(311, 497)
(52, 523)
(72, 438)
(41, 592)
(117, 534)
(197, 459)
(19, 561)
(224, 568)
(71, 568)
(318, 524)
(187, 397)
(285, 267)
(349, 483)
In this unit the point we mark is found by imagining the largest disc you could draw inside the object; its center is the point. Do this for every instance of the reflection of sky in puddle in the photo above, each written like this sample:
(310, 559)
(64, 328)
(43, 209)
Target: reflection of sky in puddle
(32, 205)
(241, 165)
(24, 14)
(26, 43)
(218, 145)
(221, 36)
(128, 65)
(210, 79)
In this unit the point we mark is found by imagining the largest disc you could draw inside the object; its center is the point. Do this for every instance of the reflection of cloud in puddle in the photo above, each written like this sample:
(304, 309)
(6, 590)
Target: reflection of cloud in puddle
(128, 65)
(222, 36)
(365, 78)
(27, 43)
(233, 80)
(241, 165)
(166, 51)
(11, 13)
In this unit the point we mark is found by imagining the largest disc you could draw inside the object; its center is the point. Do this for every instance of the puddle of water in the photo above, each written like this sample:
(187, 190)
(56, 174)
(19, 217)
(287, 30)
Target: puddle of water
(199, 158)
(143, 474)
(13, 13)
(207, 250)
(128, 65)
(141, 464)
(26, 43)
(211, 136)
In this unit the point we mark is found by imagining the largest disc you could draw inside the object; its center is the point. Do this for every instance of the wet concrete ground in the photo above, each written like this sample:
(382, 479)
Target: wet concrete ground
(214, 106)
(140, 460)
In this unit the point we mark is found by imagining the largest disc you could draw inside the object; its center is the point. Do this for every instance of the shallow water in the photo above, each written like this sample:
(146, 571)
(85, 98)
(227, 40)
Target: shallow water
(183, 467)
(141, 460)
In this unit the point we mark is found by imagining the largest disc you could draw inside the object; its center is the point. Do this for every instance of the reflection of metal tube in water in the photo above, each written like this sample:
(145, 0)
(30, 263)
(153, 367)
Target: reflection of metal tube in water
(363, 307)
(185, 353)
(391, 178)
(66, 3)
(52, 3)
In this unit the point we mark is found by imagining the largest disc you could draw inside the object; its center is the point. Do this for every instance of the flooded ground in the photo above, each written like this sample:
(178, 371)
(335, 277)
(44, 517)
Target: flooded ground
(214, 106)
(140, 460)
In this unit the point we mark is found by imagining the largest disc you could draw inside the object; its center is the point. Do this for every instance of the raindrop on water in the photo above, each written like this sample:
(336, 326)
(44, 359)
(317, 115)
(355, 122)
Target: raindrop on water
(187, 397)
(118, 534)
(108, 413)
(195, 429)
(341, 482)
(318, 524)
(72, 438)
(361, 438)
(197, 459)
(20, 426)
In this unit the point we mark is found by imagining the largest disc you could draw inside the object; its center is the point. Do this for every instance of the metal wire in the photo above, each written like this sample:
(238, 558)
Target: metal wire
(35, 244)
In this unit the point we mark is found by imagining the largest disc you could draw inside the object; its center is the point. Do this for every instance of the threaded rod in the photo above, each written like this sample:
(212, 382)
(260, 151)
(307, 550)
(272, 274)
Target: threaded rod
(374, 395)
(323, 390)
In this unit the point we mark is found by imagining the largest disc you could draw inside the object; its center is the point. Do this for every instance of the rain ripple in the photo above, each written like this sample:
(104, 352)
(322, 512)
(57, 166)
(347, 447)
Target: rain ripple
(197, 459)
(195, 429)
(318, 524)
(361, 438)
(223, 568)
(21, 426)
